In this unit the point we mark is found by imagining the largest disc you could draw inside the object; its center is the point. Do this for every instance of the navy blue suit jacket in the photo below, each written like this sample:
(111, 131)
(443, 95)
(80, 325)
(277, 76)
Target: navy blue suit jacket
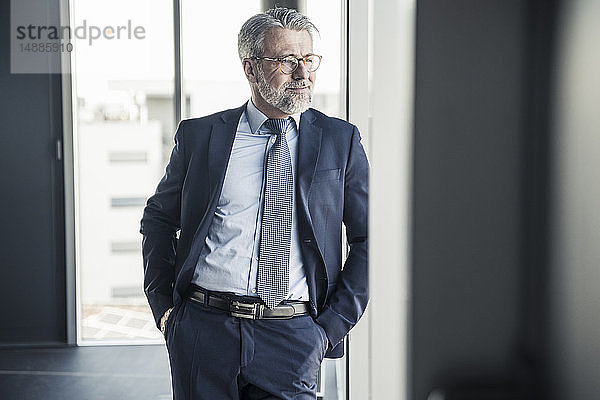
(332, 182)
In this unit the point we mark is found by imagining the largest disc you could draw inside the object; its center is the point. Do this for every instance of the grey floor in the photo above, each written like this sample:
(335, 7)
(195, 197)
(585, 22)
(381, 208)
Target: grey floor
(85, 373)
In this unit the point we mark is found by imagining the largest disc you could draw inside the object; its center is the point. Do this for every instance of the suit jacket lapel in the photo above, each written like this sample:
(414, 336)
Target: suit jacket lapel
(309, 146)
(219, 149)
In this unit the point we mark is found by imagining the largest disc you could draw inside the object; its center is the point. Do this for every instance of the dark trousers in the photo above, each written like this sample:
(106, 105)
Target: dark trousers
(217, 357)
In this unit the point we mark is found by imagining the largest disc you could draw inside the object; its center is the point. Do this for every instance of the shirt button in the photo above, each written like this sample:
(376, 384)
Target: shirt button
(273, 139)
(253, 290)
(256, 258)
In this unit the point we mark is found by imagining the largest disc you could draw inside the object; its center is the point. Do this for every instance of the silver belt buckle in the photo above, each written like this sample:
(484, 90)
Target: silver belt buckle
(243, 310)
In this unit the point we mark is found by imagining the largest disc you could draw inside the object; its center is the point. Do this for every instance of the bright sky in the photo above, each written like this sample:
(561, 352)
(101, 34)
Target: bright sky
(209, 42)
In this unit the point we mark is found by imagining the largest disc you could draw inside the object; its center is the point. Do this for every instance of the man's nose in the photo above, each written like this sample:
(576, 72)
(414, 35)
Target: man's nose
(301, 72)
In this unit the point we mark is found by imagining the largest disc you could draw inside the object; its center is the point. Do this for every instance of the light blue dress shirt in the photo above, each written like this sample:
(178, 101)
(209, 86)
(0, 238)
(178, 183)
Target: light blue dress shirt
(228, 261)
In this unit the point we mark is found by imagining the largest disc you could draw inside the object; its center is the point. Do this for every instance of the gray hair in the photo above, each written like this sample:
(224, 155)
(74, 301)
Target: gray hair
(251, 39)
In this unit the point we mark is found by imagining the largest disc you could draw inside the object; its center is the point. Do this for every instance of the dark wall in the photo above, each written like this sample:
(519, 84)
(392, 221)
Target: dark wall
(479, 169)
(32, 272)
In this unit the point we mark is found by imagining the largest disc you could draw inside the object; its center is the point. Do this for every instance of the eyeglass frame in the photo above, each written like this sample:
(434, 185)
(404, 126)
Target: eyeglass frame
(298, 59)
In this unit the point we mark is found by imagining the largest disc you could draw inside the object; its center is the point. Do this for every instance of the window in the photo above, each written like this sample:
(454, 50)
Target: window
(125, 96)
(123, 128)
(128, 202)
(128, 156)
(126, 247)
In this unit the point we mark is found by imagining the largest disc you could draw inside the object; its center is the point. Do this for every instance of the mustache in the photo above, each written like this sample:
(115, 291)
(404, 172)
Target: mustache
(296, 85)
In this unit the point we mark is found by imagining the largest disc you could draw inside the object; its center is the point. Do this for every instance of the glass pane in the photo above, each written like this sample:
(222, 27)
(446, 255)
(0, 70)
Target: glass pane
(327, 16)
(330, 99)
(213, 80)
(123, 86)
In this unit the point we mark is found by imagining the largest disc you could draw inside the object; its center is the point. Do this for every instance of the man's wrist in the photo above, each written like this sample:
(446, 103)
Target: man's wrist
(164, 319)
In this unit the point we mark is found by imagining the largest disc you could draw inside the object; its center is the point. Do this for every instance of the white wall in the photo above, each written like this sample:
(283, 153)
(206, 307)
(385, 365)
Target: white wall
(100, 224)
(575, 255)
(390, 155)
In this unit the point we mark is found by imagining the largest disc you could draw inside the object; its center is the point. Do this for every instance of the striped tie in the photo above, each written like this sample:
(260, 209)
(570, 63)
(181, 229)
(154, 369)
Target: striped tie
(276, 225)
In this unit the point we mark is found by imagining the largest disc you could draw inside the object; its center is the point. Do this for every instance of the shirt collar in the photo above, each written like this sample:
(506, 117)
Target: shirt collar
(256, 118)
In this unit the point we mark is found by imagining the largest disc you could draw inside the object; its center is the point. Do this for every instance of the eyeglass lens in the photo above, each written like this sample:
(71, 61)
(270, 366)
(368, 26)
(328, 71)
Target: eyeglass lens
(289, 64)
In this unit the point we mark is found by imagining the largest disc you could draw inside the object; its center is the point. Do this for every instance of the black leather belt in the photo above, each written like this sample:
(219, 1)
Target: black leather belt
(247, 309)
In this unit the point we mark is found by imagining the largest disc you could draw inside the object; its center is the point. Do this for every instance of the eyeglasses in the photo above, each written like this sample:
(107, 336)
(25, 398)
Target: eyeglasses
(289, 64)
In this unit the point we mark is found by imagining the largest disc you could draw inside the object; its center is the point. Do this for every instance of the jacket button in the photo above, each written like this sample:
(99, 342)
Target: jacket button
(307, 241)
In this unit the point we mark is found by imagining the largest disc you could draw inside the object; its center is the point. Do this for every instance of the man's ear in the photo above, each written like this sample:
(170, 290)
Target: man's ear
(249, 70)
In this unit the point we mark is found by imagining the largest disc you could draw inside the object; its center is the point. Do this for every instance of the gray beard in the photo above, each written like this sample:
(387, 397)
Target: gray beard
(288, 103)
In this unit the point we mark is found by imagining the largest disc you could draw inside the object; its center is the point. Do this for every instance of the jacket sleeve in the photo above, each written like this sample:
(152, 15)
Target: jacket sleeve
(347, 303)
(159, 226)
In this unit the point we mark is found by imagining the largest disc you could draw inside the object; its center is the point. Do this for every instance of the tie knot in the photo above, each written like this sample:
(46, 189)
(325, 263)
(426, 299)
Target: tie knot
(277, 126)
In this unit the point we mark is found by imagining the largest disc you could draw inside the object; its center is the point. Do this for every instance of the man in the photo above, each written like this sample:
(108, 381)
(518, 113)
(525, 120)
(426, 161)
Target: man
(251, 295)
